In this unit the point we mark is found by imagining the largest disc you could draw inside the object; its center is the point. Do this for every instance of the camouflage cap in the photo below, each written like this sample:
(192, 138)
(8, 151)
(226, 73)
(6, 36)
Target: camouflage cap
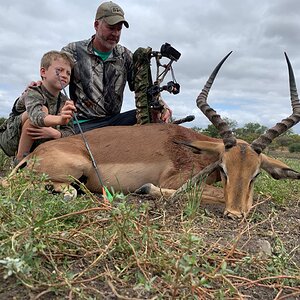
(112, 13)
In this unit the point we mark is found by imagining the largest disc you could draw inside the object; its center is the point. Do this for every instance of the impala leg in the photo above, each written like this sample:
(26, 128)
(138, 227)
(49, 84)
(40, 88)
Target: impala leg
(212, 194)
(65, 188)
(151, 189)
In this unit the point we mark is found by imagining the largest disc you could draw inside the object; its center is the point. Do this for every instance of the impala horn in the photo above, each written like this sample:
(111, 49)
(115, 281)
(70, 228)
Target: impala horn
(265, 139)
(228, 138)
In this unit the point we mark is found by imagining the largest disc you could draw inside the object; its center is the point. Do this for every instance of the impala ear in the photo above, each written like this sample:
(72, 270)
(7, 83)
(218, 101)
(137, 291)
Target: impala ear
(277, 169)
(200, 146)
(189, 145)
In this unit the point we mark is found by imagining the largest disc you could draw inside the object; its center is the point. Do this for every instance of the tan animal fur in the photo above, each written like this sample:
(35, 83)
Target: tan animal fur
(160, 158)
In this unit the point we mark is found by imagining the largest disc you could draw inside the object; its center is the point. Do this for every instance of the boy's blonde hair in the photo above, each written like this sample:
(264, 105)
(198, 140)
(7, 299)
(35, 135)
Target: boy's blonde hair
(52, 55)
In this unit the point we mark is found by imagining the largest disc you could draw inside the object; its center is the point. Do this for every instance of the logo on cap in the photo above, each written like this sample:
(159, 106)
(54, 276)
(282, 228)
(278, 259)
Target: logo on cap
(116, 10)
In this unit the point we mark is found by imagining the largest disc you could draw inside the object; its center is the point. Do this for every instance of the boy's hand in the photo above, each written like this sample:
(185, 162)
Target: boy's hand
(67, 112)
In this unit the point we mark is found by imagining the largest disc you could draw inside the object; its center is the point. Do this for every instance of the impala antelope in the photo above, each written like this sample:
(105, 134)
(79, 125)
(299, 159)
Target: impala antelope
(160, 158)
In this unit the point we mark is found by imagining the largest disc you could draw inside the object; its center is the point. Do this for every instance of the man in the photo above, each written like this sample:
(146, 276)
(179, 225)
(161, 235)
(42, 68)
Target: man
(102, 68)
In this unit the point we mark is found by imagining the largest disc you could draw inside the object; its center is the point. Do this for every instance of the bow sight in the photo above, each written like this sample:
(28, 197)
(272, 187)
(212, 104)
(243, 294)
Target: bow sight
(172, 87)
(168, 51)
(147, 91)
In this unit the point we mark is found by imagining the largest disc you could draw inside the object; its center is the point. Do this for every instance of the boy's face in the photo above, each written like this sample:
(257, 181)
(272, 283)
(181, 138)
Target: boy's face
(58, 66)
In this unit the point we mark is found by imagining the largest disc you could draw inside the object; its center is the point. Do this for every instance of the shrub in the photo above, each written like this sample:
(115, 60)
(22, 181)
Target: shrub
(294, 147)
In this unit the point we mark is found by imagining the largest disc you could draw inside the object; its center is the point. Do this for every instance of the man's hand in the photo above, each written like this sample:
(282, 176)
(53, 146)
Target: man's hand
(167, 115)
(37, 133)
(34, 83)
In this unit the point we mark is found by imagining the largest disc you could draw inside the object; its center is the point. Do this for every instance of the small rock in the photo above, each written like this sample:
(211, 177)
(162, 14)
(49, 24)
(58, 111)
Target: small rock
(264, 248)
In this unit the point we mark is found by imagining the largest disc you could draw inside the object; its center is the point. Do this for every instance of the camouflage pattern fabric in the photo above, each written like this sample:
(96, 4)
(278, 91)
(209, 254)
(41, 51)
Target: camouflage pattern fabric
(31, 101)
(97, 86)
(149, 107)
(10, 132)
(142, 82)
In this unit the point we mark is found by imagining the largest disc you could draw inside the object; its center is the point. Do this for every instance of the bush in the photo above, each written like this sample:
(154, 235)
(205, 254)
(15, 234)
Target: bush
(4, 162)
(294, 147)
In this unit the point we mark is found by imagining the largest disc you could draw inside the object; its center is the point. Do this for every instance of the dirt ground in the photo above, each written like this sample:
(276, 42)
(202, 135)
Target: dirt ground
(268, 224)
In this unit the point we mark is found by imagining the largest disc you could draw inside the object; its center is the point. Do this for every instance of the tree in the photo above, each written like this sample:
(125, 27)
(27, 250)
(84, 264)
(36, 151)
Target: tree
(283, 141)
(250, 131)
(212, 131)
(197, 129)
(294, 148)
(2, 120)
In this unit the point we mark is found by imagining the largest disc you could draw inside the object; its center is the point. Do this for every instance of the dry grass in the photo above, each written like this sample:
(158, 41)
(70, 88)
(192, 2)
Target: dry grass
(145, 248)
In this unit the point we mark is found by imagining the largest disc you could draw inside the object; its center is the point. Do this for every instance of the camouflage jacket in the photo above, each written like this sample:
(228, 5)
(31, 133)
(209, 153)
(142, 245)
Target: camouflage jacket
(33, 101)
(97, 86)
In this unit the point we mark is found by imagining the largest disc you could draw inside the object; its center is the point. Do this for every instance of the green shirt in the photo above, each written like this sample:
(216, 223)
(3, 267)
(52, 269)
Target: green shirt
(103, 55)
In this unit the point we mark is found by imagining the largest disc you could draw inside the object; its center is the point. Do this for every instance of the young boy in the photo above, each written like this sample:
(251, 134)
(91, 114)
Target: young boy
(42, 112)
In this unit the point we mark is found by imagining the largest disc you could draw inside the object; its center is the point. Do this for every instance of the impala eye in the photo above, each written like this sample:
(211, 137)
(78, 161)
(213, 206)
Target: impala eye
(252, 180)
(222, 172)
(256, 175)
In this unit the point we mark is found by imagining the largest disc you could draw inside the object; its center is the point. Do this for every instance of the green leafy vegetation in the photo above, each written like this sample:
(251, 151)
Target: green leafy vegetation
(2, 120)
(251, 131)
(4, 161)
(294, 147)
(141, 247)
(279, 190)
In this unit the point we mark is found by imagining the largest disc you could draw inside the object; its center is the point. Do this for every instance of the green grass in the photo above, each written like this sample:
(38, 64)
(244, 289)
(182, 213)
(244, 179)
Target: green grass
(279, 190)
(4, 161)
(82, 248)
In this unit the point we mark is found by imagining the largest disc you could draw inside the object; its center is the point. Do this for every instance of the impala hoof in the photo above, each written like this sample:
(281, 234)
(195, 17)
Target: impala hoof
(144, 189)
(4, 183)
(70, 195)
(234, 215)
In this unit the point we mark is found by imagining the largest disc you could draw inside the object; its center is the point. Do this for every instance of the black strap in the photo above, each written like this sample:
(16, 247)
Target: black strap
(14, 111)
(58, 104)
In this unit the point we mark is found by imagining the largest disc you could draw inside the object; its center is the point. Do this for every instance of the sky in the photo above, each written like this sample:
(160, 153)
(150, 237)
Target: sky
(252, 86)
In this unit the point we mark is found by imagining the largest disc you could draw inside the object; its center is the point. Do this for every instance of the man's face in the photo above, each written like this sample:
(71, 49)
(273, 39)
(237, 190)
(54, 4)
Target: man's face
(107, 35)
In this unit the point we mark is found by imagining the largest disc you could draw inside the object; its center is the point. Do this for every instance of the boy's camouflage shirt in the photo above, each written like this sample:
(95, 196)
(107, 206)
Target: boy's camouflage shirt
(97, 86)
(33, 101)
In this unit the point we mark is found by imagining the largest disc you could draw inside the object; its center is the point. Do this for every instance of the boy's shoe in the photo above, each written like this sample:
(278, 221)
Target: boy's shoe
(16, 161)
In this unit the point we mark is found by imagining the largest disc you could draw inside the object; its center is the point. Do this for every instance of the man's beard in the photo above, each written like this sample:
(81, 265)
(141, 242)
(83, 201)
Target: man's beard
(109, 44)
